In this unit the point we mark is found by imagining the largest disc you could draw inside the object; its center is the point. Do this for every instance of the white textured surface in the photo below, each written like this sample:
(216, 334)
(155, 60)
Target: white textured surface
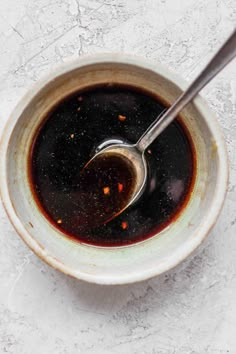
(192, 309)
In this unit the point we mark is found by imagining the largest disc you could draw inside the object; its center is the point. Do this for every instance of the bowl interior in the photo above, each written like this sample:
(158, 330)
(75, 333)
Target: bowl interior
(119, 264)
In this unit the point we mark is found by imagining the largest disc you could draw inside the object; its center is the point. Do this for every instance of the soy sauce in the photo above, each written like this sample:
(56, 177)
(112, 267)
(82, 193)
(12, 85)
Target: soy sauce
(67, 140)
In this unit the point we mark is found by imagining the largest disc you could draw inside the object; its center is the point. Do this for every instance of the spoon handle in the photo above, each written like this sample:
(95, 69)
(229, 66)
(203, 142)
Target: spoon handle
(225, 54)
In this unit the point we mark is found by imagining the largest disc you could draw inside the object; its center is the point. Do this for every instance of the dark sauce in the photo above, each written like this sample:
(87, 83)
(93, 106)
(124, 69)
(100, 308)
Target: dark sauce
(68, 139)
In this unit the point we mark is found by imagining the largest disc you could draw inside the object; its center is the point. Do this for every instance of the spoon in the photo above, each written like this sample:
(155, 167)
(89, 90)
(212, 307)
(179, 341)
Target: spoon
(134, 153)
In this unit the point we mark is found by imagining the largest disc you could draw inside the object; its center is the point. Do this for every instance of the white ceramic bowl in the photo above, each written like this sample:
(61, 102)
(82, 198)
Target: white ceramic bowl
(139, 261)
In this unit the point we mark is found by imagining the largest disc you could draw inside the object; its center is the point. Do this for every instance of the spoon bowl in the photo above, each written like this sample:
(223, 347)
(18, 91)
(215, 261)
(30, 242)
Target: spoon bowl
(135, 160)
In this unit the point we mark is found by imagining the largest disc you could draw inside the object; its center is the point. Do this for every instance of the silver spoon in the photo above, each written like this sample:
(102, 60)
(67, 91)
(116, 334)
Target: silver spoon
(135, 152)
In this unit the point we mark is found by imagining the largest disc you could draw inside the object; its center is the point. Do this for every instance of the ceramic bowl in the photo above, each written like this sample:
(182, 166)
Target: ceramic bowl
(114, 265)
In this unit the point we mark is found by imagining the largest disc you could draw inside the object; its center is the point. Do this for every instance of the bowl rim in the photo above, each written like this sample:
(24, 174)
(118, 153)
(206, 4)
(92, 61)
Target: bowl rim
(204, 228)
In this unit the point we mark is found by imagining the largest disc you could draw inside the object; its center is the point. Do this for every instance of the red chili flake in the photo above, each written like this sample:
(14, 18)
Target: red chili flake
(120, 187)
(121, 118)
(106, 190)
(59, 221)
(124, 225)
(80, 98)
(149, 151)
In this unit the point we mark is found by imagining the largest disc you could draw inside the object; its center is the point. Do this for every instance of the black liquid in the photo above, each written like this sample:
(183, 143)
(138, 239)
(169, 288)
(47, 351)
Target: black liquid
(68, 139)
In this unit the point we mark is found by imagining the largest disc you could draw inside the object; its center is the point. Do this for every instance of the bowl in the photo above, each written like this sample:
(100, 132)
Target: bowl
(112, 265)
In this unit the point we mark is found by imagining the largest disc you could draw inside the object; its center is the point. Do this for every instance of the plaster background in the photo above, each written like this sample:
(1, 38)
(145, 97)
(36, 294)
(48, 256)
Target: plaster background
(190, 310)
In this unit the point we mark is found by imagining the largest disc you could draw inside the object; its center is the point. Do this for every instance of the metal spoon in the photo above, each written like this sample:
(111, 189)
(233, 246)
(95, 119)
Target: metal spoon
(135, 152)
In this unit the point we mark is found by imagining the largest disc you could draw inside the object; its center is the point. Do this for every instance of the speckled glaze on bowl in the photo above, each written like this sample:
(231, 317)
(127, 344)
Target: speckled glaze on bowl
(139, 261)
